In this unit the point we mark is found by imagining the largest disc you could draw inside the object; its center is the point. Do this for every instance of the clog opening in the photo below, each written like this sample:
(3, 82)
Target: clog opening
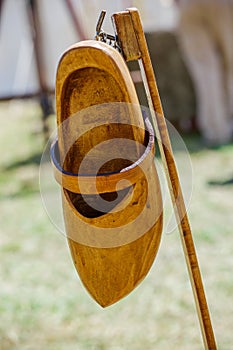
(86, 204)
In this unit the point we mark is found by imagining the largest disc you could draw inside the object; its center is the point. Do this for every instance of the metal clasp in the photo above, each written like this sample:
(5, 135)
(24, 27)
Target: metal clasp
(104, 37)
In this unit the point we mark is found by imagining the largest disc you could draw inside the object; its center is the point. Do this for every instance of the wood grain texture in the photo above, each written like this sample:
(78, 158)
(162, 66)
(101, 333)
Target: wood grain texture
(112, 249)
(168, 162)
(108, 181)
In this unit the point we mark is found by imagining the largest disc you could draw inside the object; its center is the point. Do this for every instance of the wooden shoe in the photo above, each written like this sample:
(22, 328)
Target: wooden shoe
(104, 162)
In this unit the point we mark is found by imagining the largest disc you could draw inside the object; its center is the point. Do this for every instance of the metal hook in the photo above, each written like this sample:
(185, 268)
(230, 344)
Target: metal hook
(100, 22)
(102, 36)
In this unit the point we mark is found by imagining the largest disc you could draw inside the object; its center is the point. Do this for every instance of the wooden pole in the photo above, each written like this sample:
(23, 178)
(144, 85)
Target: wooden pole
(74, 17)
(37, 40)
(131, 37)
(36, 31)
(1, 3)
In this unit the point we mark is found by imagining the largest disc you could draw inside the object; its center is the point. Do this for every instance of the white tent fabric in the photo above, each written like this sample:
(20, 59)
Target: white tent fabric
(18, 74)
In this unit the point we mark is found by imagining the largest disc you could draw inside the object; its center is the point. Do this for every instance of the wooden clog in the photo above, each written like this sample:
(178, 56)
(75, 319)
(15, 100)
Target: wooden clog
(105, 153)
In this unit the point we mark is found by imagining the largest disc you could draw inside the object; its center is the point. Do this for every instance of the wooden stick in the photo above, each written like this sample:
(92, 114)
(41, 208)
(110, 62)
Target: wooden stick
(37, 41)
(75, 19)
(131, 37)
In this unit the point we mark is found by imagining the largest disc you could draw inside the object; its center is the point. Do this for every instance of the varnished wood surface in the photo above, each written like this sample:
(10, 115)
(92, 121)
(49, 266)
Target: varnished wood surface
(112, 250)
(131, 20)
(108, 181)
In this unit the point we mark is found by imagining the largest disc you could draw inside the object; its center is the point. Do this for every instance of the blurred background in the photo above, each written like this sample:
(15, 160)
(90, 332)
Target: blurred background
(42, 302)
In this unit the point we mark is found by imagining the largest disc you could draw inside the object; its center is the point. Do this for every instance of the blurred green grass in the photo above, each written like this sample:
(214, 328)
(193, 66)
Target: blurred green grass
(42, 302)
